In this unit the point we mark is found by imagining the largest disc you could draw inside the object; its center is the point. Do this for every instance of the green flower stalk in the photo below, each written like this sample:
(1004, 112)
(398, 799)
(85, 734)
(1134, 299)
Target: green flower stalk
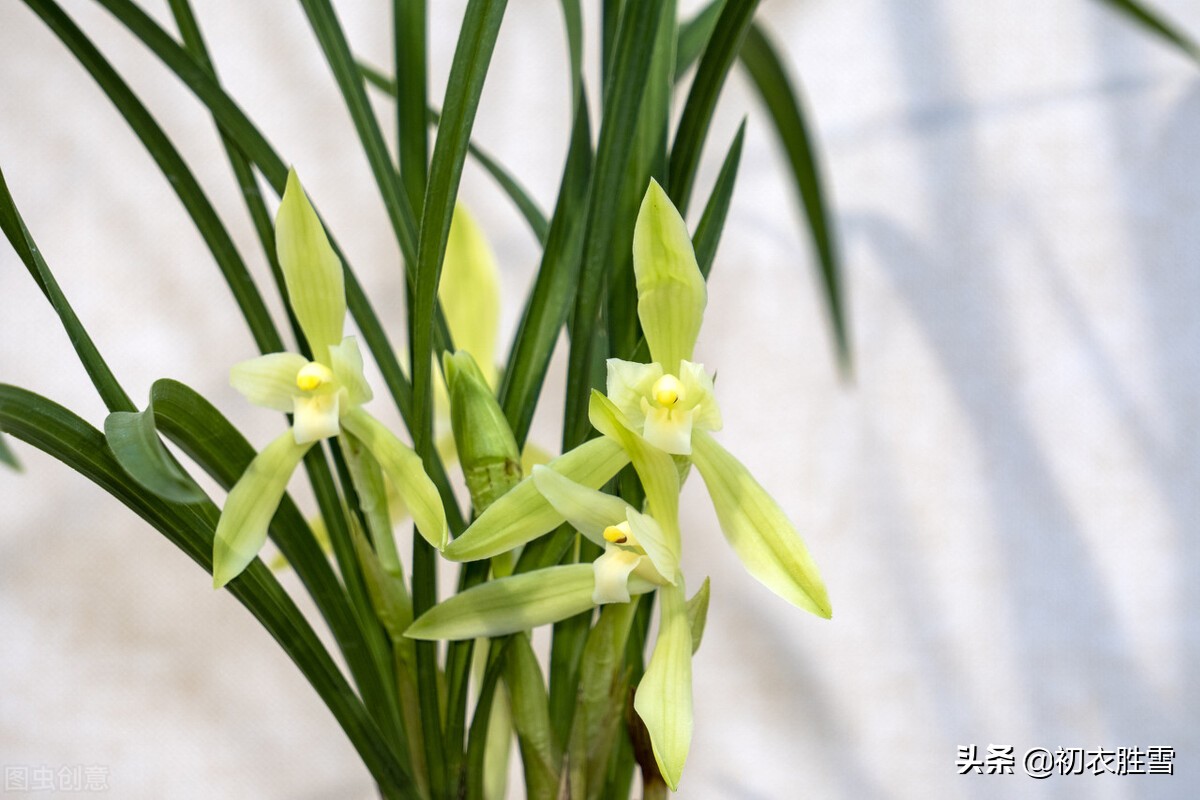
(324, 396)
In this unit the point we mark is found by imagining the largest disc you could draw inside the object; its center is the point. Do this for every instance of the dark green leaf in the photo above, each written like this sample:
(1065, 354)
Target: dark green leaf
(61, 434)
(694, 35)
(6, 455)
(134, 441)
(718, 58)
(632, 53)
(411, 61)
(771, 80)
(1157, 24)
(573, 20)
(712, 221)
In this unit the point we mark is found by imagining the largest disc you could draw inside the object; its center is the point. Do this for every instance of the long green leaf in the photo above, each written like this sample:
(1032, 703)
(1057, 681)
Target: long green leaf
(549, 303)
(504, 179)
(61, 434)
(632, 53)
(771, 80)
(6, 455)
(1157, 24)
(18, 235)
(411, 60)
(694, 35)
(719, 55)
(712, 221)
(573, 21)
(168, 159)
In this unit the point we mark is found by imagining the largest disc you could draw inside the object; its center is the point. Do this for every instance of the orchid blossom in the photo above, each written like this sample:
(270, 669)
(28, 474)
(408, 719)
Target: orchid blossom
(324, 394)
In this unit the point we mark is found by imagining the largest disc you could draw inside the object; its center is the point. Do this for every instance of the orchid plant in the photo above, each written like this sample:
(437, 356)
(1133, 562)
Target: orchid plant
(588, 541)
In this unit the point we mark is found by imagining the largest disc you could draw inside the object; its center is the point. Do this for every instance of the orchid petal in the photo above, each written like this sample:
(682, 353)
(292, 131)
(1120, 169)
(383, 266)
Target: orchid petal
(663, 553)
(316, 417)
(654, 467)
(346, 361)
(470, 292)
(758, 530)
(312, 271)
(612, 570)
(523, 513)
(664, 696)
(669, 429)
(406, 472)
(508, 605)
(671, 290)
(698, 383)
(270, 380)
(587, 510)
(251, 504)
(628, 383)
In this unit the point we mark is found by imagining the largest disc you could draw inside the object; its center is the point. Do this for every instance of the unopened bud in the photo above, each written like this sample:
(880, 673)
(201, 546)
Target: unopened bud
(487, 451)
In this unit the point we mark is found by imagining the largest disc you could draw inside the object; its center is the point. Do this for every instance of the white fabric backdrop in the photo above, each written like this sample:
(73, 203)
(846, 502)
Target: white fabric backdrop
(1003, 503)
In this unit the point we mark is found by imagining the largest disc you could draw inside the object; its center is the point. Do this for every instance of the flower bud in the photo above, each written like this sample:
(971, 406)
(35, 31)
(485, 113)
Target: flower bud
(487, 451)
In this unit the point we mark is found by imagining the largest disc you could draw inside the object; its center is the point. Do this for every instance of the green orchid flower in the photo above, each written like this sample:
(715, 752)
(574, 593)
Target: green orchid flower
(666, 407)
(324, 396)
(638, 557)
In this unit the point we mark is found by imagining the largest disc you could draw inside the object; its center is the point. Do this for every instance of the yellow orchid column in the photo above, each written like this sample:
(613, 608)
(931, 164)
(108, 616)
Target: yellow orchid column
(323, 395)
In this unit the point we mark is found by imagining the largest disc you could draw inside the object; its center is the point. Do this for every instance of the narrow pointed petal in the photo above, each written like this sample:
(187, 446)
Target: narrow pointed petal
(654, 467)
(587, 510)
(509, 605)
(270, 380)
(313, 272)
(404, 469)
(523, 514)
(664, 696)
(611, 571)
(316, 417)
(470, 292)
(671, 290)
(628, 383)
(346, 361)
(698, 383)
(250, 506)
(758, 530)
(663, 552)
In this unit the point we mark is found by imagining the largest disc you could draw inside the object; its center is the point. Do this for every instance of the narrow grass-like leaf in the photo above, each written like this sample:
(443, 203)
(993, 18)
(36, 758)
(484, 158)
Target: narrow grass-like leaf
(19, 237)
(719, 54)
(712, 221)
(549, 302)
(771, 80)
(173, 167)
(694, 35)
(573, 21)
(409, 19)
(61, 434)
(134, 441)
(632, 53)
(1157, 24)
(504, 179)
(6, 455)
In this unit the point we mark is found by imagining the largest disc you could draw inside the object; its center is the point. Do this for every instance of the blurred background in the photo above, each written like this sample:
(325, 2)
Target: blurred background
(1003, 500)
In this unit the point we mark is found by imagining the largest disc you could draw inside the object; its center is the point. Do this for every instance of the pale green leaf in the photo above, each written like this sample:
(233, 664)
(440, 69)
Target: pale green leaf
(758, 530)
(671, 290)
(697, 613)
(523, 514)
(509, 605)
(664, 696)
(404, 469)
(389, 596)
(133, 439)
(531, 718)
(250, 506)
(470, 292)
(313, 272)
